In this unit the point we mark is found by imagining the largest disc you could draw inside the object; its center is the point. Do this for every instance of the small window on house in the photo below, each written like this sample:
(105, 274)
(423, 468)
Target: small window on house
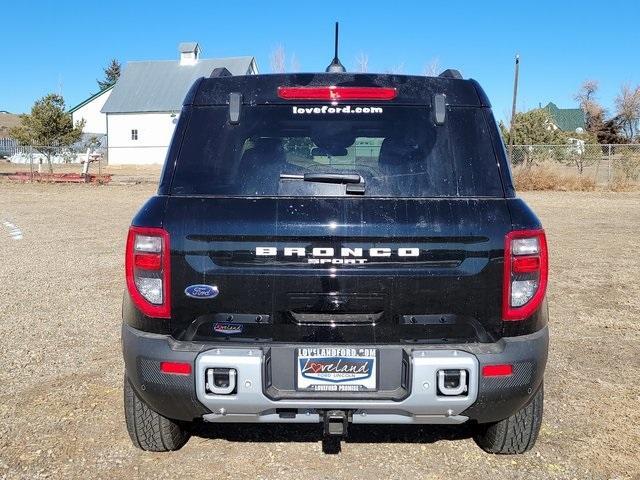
(134, 134)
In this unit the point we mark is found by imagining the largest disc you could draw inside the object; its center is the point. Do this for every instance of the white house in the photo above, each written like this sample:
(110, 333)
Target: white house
(90, 112)
(143, 107)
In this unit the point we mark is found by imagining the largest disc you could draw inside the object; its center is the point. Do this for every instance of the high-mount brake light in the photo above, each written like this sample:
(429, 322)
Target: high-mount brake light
(526, 271)
(147, 270)
(334, 93)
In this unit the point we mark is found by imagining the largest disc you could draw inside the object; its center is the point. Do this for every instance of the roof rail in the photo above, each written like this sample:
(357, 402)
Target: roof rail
(451, 73)
(220, 72)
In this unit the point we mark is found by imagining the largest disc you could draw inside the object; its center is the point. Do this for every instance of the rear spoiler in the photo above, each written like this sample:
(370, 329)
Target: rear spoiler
(263, 89)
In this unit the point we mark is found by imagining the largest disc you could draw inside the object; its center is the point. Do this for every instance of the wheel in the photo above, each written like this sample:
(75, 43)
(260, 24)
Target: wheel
(516, 434)
(149, 430)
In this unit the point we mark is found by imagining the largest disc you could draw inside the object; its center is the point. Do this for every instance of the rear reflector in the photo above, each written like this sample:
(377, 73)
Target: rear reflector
(175, 368)
(497, 370)
(334, 93)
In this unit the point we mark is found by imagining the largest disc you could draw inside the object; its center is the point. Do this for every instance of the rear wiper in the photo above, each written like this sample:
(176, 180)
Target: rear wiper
(354, 182)
(323, 177)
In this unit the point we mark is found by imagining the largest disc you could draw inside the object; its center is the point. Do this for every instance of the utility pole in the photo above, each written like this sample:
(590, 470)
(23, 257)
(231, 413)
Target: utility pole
(512, 128)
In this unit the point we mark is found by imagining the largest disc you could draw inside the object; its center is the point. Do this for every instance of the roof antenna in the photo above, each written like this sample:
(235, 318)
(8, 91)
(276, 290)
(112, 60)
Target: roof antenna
(335, 66)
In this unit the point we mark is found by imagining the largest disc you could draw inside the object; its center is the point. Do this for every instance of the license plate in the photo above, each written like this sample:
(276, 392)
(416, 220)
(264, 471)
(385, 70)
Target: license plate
(336, 369)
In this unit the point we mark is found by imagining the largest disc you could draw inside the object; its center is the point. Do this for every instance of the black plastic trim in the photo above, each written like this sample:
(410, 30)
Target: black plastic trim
(173, 396)
(501, 397)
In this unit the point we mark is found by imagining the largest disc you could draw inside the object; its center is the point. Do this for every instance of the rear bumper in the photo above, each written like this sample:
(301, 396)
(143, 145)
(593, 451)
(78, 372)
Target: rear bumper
(183, 397)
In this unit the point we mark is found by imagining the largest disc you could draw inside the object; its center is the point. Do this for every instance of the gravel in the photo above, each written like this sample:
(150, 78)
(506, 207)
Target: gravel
(61, 368)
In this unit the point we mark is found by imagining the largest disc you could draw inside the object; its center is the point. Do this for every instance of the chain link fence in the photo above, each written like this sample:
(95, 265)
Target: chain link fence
(602, 163)
(39, 157)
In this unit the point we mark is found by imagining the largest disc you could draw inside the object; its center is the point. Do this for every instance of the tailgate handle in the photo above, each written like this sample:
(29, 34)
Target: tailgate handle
(337, 318)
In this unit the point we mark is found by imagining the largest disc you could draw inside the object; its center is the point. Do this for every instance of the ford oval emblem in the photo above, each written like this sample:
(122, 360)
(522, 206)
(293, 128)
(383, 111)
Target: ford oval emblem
(201, 291)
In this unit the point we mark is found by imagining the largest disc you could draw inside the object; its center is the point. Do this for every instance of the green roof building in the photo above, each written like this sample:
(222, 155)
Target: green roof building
(566, 119)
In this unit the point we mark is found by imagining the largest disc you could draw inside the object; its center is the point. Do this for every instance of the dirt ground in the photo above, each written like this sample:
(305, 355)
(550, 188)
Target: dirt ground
(61, 281)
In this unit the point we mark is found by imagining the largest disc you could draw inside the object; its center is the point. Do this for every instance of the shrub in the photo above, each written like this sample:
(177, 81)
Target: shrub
(548, 177)
(621, 183)
(627, 166)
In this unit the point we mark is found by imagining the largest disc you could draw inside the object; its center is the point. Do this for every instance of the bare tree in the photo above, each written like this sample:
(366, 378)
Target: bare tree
(294, 64)
(362, 62)
(278, 59)
(607, 131)
(432, 69)
(586, 98)
(628, 109)
(396, 69)
(587, 90)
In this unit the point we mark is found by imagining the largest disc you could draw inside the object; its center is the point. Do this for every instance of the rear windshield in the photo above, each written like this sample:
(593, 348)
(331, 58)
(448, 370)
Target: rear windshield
(396, 150)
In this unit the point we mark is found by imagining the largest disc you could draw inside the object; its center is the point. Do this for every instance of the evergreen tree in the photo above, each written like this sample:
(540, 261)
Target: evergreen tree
(47, 127)
(111, 75)
(534, 127)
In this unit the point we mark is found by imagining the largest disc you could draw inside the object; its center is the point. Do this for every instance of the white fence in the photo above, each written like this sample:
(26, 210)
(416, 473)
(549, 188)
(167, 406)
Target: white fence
(36, 154)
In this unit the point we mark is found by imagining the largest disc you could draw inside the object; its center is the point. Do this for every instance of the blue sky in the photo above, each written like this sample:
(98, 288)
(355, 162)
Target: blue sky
(48, 46)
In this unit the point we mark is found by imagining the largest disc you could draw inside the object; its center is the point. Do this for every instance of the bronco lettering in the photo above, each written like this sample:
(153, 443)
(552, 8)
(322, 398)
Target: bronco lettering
(342, 252)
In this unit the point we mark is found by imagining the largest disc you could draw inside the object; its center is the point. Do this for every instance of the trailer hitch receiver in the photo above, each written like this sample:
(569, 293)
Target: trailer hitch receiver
(336, 423)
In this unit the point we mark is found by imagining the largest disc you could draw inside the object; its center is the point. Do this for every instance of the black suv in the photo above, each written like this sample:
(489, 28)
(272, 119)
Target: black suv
(336, 248)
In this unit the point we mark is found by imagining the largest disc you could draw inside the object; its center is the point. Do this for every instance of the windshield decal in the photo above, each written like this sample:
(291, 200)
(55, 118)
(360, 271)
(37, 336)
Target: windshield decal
(326, 109)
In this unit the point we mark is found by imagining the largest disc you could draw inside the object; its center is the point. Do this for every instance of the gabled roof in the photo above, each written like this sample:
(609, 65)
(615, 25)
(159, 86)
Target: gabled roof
(566, 119)
(160, 86)
(92, 97)
(185, 47)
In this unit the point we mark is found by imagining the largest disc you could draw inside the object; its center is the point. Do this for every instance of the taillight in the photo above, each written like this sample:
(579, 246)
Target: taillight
(147, 270)
(333, 93)
(526, 269)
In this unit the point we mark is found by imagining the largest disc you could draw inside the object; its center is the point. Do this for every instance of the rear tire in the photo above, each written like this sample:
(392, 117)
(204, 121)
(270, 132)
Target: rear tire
(149, 430)
(515, 434)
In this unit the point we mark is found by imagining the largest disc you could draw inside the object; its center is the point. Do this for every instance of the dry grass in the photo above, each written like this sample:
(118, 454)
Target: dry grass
(621, 184)
(548, 177)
